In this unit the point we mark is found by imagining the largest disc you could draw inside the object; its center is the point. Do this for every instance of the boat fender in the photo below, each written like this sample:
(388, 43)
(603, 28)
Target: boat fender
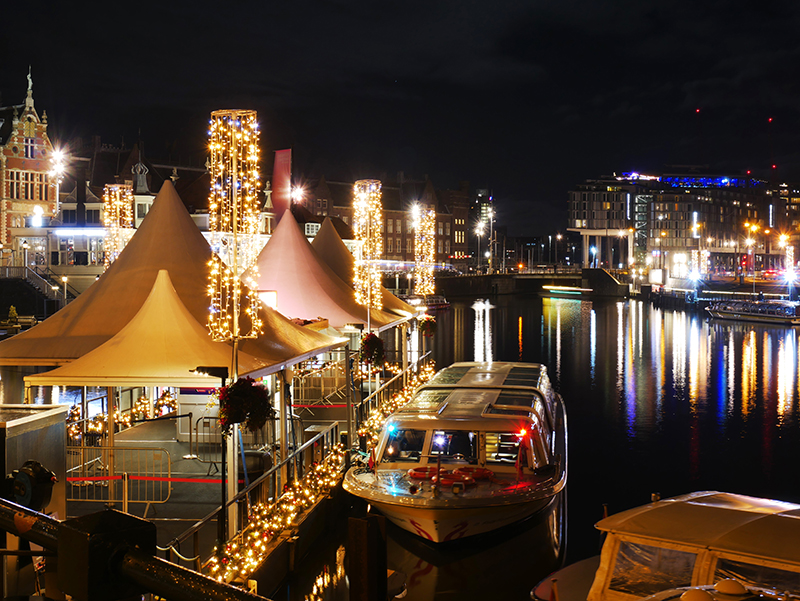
(479, 473)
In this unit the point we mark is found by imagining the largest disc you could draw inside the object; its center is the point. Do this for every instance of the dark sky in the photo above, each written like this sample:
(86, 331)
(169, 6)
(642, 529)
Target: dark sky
(524, 98)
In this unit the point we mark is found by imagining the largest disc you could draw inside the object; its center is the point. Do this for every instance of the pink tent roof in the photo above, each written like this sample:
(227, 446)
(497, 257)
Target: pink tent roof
(160, 346)
(167, 239)
(306, 287)
(331, 249)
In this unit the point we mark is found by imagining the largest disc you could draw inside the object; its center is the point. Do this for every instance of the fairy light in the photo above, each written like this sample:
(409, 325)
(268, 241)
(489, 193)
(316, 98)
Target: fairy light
(371, 428)
(367, 219)
(424, 249)
(117, 219)
(242, 555)
(233, 221)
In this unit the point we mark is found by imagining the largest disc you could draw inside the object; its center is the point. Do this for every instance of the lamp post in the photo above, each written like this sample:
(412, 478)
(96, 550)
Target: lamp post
(64, 279)
(558, 239)
(25, 247)
(491, 241)
(57, 172)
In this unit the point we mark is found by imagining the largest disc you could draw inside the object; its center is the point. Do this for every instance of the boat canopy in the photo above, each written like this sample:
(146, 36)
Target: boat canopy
(717, 521)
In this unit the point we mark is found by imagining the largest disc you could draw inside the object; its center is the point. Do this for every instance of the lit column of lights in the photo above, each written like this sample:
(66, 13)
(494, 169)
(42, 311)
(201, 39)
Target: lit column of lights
(233, 210)
(424, 249)
(367, 219)
(233, 220)
(117, 219)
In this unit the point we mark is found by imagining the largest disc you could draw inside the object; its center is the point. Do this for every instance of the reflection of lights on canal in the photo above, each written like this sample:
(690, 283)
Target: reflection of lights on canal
(483, 330)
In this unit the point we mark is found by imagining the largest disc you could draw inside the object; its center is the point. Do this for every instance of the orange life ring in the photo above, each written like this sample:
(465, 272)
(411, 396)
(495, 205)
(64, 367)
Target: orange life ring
(479, 473)
(450, 478)
(424, 472)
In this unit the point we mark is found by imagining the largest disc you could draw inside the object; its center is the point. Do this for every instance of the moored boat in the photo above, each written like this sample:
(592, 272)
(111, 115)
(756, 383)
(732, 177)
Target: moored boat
(480, 446)
(693, 540)
(762, 311)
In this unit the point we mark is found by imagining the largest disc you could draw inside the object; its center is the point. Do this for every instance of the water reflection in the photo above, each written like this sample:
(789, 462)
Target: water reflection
(483, 330)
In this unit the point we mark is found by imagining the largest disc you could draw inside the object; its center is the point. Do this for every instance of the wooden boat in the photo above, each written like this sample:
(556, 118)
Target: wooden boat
(480, 446)
(772, 311)
(694, 540)
(430, 302)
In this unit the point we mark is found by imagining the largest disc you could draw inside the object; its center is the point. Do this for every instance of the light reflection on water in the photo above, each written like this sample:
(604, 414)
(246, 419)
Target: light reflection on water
(658, 401)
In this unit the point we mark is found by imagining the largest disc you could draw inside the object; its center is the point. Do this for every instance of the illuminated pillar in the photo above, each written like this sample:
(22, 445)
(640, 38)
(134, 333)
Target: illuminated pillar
(424, 249)
(233, 220)
(367, 220)
(117, 219)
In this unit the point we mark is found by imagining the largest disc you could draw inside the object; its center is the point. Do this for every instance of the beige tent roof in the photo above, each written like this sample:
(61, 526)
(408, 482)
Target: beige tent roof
(160, 346)
(167, 239)
(306, 287)
(331, 249)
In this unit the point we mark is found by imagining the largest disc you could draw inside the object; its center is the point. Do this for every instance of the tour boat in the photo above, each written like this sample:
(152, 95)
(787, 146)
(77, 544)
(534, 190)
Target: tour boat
(772, 311)
(690, 541)
(480, 446)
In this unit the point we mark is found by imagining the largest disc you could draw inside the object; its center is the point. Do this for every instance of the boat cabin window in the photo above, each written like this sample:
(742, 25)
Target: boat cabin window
(503, 447)
(403, 445)
(753, 575)
(644, 570)
(455, 446)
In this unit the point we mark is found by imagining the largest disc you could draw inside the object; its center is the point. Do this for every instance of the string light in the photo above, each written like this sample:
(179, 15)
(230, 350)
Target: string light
(117, 219)
(371, 428)
(233, 214)
(424, 249)
(242, 555)
(367, 220)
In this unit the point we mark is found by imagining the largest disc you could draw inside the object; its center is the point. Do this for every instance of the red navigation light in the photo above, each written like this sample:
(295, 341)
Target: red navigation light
(522, 432)
(696, 110)
(774, 166)
(770, 120)
(748, 172)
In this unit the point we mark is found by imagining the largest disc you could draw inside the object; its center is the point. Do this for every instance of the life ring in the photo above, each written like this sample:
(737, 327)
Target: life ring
(424, 472)
(479, 473)
(450, 478)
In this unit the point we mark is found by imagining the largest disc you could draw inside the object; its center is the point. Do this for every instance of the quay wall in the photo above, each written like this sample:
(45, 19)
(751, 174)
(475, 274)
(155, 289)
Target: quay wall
(599, 280)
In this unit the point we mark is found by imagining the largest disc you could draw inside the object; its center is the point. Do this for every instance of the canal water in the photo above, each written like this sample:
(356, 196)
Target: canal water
(658, 402)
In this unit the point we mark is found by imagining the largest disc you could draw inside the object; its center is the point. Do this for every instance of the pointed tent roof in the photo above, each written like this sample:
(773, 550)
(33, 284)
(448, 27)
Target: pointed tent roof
(167, 239)
(331, 249)
(306, 287)
(160, 346)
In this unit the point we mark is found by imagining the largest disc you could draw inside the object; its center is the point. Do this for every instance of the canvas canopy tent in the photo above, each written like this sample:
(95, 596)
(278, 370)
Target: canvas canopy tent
(160, 346)
(331, 249)
(306, 287)
(167, 239)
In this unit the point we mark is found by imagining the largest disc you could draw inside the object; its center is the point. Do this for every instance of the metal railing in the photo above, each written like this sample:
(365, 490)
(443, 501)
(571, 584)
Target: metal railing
(204, 534)
(35, 279)
(103, 474)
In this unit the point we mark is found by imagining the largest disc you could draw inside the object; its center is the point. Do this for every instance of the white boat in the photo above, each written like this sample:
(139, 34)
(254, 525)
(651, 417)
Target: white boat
(694, 540)
(772, 311)
(480, 446)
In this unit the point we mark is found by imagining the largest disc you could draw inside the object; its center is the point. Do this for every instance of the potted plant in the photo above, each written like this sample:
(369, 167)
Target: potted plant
(246, 402)
(427, 325)
(371, 351)
(13, 317)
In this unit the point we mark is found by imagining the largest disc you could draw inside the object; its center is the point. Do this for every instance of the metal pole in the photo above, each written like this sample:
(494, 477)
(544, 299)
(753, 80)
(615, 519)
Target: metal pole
(284, 430)
(112, 425)
(349, 388)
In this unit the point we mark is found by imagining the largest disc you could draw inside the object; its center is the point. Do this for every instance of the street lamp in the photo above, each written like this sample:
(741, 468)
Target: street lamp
(479, 232)
(558, 239)
(64, 279)
(25, 247)
(491, 240)
(593, 250)
(57, 172)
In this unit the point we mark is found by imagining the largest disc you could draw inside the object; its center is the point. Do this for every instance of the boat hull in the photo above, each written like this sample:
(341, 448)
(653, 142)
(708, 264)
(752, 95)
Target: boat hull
(770, 319)
(439, 525)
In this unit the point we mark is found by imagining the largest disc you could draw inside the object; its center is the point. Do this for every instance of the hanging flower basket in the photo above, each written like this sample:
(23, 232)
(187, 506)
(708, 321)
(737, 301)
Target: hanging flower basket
(427, 325)
(371, 350)
(246, 402)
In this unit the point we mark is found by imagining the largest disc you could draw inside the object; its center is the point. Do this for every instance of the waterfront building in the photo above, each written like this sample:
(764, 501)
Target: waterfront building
(677, 222)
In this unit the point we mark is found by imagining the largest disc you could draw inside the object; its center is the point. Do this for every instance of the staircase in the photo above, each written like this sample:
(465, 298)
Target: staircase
(29, 292)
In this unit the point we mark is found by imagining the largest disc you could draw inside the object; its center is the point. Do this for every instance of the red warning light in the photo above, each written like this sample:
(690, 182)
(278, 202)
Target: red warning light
(774, 167)
(748, 172)
(770, 120)
(696, 110)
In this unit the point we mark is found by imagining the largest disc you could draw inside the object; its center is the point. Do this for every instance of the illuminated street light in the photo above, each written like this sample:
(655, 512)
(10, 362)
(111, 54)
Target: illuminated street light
(64, 279)
(298, 193)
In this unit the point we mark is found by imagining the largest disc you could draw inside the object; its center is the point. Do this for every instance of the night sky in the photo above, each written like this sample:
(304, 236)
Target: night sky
(524, 98)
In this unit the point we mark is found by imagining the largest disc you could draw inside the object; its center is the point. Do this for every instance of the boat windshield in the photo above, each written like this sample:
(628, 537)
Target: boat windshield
(644, 570)
(755, 575)
(403, 445)
(455, 446)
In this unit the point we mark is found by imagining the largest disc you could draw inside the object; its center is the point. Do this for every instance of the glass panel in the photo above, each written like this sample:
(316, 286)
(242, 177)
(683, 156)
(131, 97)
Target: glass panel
(643, 570)
(764, 576)
(455, 446)
(502, 447)
(404, 445)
